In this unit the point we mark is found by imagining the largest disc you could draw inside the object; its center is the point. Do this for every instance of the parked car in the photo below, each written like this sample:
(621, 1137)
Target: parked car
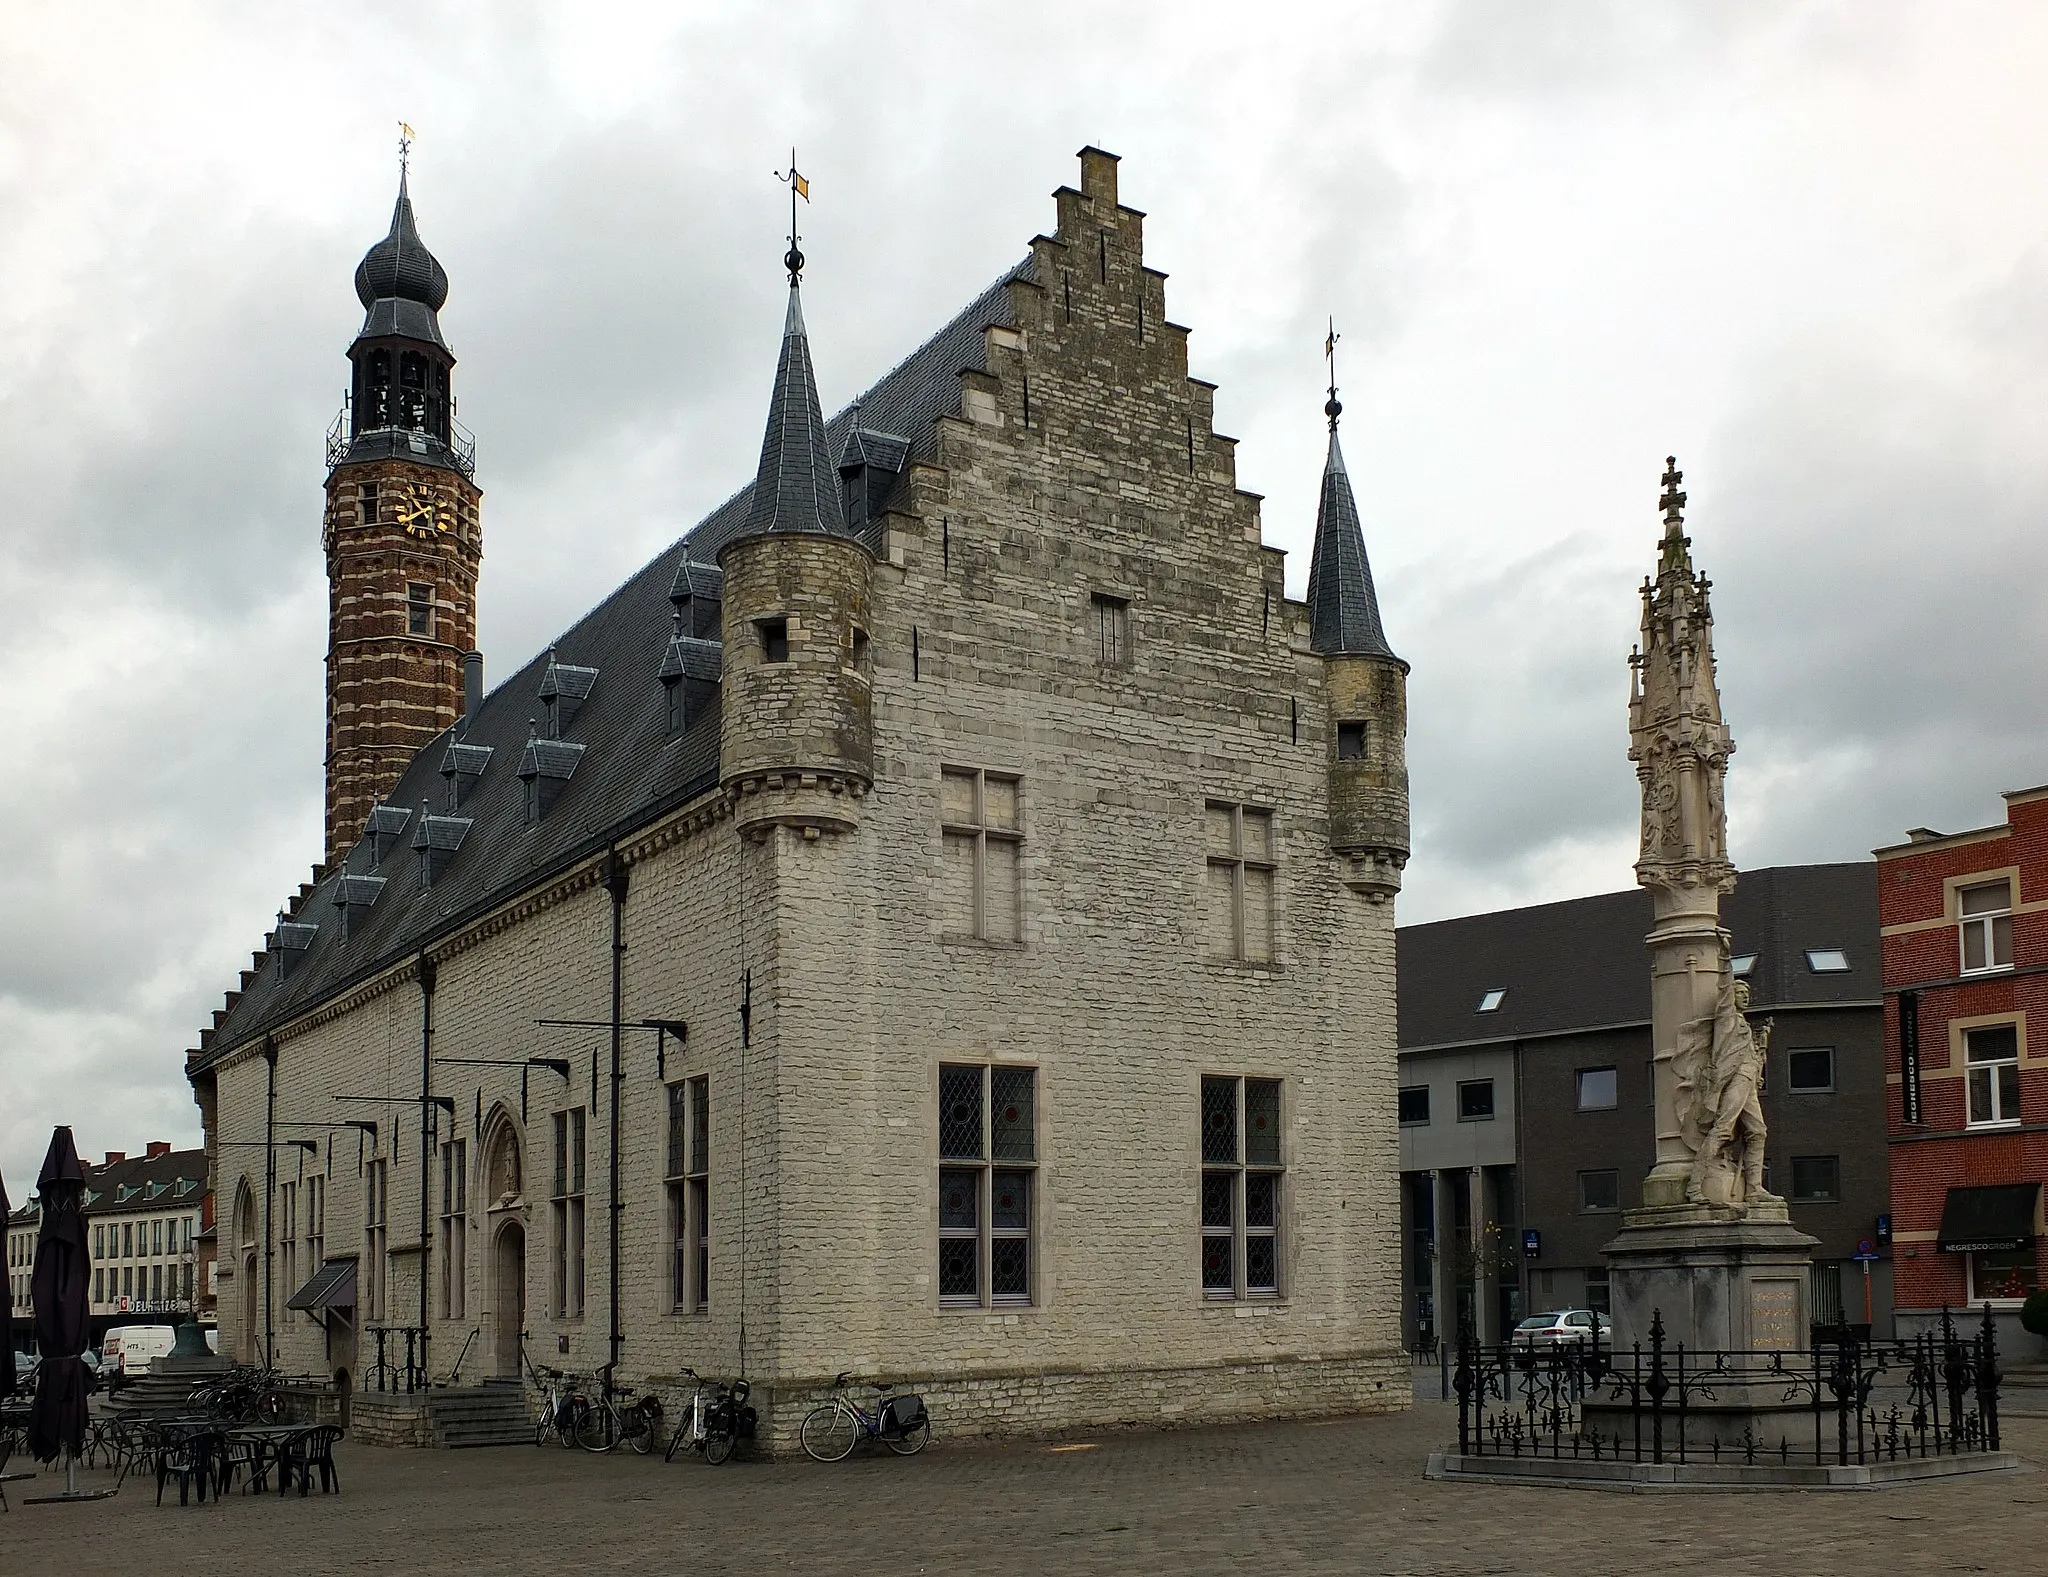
(1561, 1328)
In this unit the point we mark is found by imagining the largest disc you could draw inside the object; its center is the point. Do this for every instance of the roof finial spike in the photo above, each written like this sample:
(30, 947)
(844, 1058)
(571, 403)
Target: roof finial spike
(405, 136)
(1672, 501)
(793, 259)
(1333, 408)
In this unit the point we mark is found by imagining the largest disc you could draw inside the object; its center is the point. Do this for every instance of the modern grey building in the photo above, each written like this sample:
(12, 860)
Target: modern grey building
(1526, 1103)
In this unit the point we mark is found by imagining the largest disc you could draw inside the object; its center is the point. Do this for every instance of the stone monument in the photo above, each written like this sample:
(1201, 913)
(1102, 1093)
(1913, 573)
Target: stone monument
(1708, 1248)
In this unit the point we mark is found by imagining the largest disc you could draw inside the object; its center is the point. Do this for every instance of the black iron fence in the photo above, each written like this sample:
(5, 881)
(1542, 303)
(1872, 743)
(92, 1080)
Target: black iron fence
(401, 1361)
(1847, 1400)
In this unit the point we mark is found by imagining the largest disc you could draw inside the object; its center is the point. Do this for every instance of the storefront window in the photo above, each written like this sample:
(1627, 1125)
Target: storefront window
(2008, 1273)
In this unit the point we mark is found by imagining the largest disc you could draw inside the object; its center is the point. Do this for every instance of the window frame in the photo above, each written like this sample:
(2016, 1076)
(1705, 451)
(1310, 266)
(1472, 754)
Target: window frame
(376, 1237)
(1993, 926)
(1613, 1103)
(1111, 616)
(568, 1211)
(1996, 1085)
(419, 610)
(454, 1229)
(687, 1168)
(984, 1168)
(1586, 1209)
(1242, 867)
(1833, 1197)
(979, 833)
(1401, 1097)
(1492, 1105)
(1240, 1174)
(1998, 1300)
(1815, 964)
(1792, 1088)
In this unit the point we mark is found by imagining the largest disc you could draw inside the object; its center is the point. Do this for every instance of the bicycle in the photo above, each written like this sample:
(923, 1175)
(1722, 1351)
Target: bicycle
(832, 1429)
(608, 1422)
(716, 1420)
(562, 1410)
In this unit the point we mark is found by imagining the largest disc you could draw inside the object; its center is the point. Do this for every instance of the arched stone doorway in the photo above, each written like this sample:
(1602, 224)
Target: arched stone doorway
(509, 1296)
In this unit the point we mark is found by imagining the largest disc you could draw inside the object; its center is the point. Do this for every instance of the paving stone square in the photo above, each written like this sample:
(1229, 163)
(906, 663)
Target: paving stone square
(1345, 1496)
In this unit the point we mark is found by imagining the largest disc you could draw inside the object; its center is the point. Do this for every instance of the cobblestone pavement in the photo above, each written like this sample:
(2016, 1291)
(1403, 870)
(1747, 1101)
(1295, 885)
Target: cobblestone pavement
(1340, 1496)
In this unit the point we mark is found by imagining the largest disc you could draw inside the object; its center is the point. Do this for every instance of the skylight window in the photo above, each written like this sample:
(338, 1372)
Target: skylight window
(1491, 1001)
(1741, 964)
(1827, 960)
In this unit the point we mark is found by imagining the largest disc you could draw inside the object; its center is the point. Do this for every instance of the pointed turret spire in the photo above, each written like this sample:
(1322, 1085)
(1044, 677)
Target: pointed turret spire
(796, 487)
(1344, 611)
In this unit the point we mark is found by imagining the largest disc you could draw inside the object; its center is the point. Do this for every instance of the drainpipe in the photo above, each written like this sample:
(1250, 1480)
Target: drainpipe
(269, 1189)
(429, 1124)
(615, 884)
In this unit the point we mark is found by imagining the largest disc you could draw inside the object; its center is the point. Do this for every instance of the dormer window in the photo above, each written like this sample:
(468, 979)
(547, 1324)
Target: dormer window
(381, 831)
(774, 637)
(689, 674)
(564, 687)
(435, 844)
(545, 771)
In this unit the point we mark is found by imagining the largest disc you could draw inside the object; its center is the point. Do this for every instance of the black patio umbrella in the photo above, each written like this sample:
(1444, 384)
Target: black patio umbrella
(57, 1288)
(6, 1313)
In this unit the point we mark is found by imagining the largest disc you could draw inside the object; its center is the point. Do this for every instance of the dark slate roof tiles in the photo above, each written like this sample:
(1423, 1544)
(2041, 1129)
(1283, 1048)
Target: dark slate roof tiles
(641, 772)
(1344, 610)
(1581, 964)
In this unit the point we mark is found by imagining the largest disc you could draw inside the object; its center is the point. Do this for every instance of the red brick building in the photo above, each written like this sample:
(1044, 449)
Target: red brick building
(1964, 921)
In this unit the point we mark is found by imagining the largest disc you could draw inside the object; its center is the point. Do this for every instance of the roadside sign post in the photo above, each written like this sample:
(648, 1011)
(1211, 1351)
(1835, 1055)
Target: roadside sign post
(1865, 1253)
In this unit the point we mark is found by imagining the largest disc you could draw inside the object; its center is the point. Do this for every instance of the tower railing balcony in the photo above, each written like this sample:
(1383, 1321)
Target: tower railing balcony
(460, 447)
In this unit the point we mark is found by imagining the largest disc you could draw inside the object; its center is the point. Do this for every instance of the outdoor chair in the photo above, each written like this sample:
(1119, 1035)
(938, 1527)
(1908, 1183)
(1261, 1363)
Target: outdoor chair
(190, 1460)
(315, 1450)
(9, 1438)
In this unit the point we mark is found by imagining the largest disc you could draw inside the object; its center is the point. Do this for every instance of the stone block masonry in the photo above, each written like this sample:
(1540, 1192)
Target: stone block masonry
(1064, 605)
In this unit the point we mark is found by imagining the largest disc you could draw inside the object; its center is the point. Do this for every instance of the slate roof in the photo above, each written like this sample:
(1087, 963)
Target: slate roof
(796, 487)
(1581, 964)
(1344, 610)
(400, 283)
(171, 1181)
(633, 771)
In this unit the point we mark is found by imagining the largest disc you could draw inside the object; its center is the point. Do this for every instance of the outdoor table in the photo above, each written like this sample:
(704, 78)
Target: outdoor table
(272, 1443)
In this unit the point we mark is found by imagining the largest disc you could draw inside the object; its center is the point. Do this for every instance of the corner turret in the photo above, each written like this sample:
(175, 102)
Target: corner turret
(796, 743)
(1366, 686)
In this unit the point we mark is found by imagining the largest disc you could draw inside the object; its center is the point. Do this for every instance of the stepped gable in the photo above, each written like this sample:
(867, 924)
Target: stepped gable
(632, 770)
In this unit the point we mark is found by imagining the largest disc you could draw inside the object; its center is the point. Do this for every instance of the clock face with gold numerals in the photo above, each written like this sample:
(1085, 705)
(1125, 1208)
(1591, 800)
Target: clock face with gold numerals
(420, 510)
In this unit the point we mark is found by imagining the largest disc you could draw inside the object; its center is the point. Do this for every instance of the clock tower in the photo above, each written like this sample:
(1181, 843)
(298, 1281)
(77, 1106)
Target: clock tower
(403, 534)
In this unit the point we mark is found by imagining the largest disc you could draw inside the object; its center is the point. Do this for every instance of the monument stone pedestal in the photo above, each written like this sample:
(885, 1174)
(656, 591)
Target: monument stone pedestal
(1722, 1282)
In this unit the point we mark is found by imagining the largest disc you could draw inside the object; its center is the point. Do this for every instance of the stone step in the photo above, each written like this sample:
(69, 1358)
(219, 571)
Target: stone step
(482, 1416)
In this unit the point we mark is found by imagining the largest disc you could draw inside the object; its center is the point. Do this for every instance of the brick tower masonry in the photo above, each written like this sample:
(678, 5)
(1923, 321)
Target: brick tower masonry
(403, 535)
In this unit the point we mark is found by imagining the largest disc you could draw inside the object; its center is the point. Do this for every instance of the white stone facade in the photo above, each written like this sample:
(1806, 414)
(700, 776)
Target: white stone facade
(824, 1207)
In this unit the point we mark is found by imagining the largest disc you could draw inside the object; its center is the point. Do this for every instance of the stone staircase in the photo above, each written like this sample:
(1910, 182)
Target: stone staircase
(492, 1414)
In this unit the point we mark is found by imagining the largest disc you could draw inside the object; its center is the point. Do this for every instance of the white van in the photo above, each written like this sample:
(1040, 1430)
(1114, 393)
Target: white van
(133, 1348)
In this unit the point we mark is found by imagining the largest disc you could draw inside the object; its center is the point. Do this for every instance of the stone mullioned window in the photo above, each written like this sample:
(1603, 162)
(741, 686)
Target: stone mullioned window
(981, 822)
(1238, 918)
(689, 1194)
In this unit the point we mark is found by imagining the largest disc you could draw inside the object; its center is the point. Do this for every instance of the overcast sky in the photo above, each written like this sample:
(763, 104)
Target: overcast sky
(1802, 246)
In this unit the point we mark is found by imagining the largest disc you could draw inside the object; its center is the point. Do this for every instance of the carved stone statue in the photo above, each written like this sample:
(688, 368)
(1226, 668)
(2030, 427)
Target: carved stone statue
(505, 1181)
(1719, 1067)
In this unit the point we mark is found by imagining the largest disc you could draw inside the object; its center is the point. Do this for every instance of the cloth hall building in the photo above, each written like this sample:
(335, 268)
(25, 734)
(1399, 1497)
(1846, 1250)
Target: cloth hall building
(934, 921)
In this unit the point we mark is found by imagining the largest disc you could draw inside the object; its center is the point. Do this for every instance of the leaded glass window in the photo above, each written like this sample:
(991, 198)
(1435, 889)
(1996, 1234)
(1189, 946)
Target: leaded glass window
(1241, 1187)
(689, 1194)
(988, 1148)
(567, 1209)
